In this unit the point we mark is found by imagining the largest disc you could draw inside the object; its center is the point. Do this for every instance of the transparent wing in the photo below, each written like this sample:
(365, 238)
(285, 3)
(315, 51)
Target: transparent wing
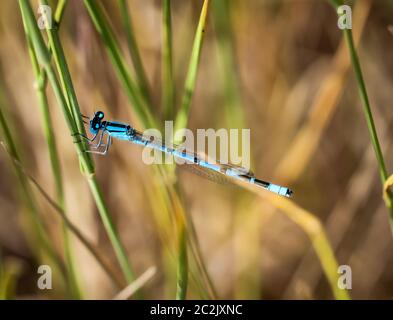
(221, 177)
(206, 173)
(237, 169)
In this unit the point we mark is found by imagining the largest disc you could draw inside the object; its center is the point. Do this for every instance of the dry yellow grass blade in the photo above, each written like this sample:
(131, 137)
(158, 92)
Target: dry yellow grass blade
(339, 221)
(312, 226)
(323, 107)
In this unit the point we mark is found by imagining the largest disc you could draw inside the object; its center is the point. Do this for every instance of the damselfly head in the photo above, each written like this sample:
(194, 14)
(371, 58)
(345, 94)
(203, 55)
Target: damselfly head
(99, 115)
(95, 122)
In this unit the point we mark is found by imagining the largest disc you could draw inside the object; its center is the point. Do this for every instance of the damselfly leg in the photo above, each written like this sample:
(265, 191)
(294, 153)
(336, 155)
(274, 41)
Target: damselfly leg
(89, 140)
(100, 144)
(85, 117)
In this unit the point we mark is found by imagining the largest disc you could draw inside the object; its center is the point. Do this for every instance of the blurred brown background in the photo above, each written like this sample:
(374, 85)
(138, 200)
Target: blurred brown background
(280, 67)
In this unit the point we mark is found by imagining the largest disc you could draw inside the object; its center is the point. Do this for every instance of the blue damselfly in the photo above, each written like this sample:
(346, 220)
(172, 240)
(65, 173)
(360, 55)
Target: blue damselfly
(111, 129)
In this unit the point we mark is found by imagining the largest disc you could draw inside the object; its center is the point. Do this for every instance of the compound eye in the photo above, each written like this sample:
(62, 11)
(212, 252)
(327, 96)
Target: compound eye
(100, 115)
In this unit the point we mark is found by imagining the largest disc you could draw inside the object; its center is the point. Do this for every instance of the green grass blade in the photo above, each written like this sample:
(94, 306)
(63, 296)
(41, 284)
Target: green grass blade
(10, 272)
(65, 76)
(44, 59)
(182, 249)
(182, 265)
(168, 86)
(367, 113)
(134, 94)
(133, 49)
(181, 122)
(40, 78)
(189, 87)
(117, 61)
(59, 12)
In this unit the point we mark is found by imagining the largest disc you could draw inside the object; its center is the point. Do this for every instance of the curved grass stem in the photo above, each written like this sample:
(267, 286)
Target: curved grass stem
(312, 226)
(367, 112)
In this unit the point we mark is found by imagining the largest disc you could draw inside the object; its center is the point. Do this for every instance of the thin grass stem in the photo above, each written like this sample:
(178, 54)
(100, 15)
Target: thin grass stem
(147, 120)
(40, 79)
(72, 227)
(134, 50)
(181, 231)
(134, 94)
(59, 12)
(56, 171)
(367, 113)
(43, 57)
(189, 86)
(168, 86)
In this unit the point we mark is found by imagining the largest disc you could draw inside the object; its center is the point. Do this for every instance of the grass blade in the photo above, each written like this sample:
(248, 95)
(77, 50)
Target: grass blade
(142, 109)
(182, 266)
(181, 231)
(73, 228)
(40, 78)
(133, 49)
(311, 225)
(189, 87)
(65, 76)
(59, 12)
(324, 105)
(43, 57)
(168, 86)
(145, 118)
(367, 113)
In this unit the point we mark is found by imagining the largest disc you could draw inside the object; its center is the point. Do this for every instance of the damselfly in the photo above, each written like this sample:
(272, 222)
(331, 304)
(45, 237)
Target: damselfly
(110, 129)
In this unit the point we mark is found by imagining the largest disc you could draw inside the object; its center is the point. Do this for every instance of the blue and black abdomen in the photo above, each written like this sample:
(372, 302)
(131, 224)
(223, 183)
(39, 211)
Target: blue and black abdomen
(115, 127)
